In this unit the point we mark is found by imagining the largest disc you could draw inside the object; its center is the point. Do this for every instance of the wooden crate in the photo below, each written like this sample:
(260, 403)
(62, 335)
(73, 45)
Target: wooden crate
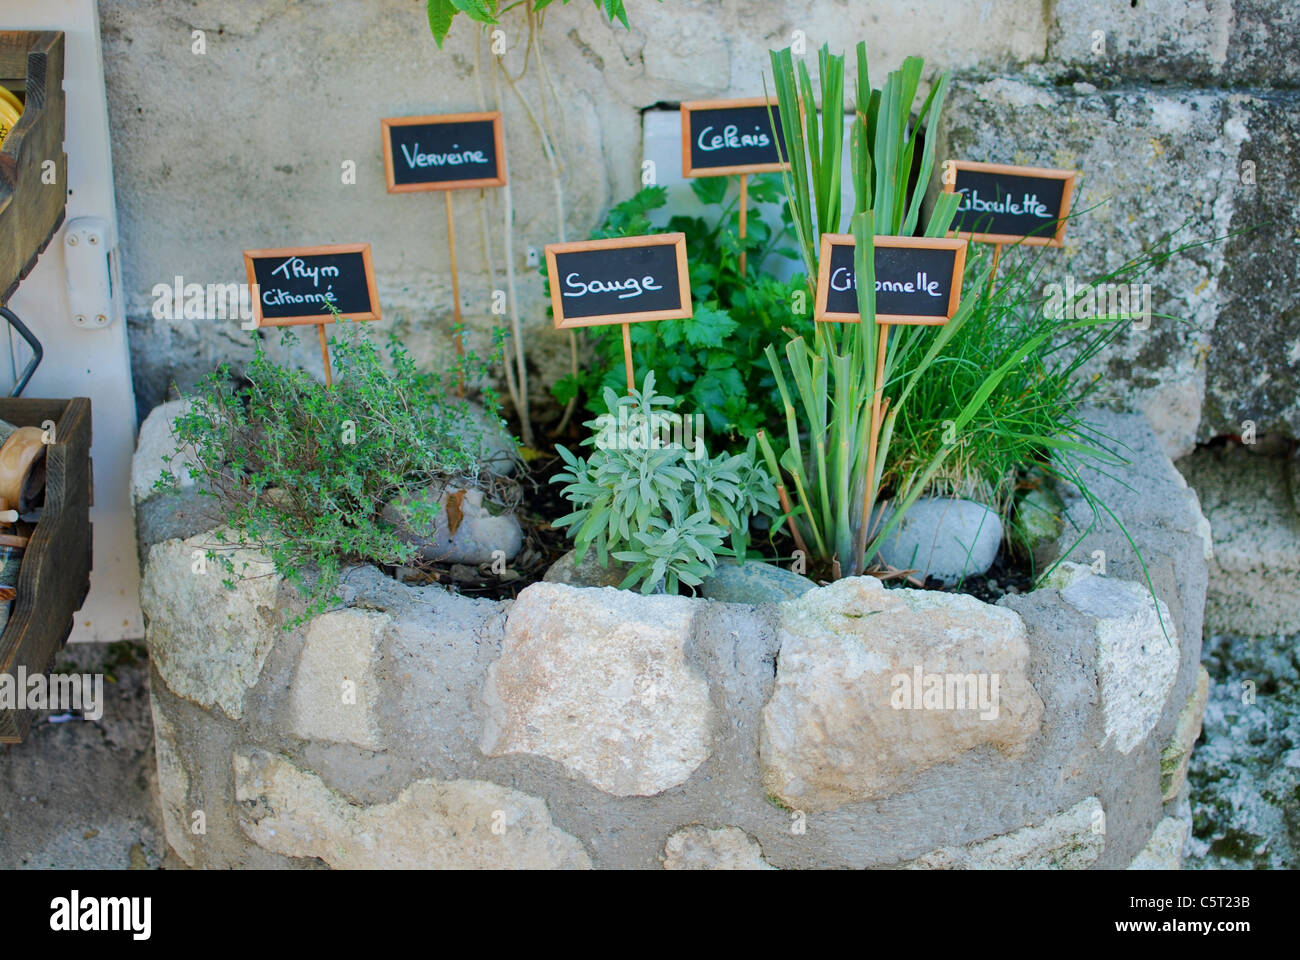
(31, 210)
(55, 573)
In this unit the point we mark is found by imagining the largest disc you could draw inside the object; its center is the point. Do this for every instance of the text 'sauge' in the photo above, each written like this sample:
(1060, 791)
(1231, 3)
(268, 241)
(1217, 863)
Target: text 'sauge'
(632, 287)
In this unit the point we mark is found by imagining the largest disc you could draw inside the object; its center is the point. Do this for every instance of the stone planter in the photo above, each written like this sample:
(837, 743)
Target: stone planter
(584, 727)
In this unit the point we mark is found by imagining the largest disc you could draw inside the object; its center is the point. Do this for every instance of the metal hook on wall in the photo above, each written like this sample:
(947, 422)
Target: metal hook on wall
(37, 351)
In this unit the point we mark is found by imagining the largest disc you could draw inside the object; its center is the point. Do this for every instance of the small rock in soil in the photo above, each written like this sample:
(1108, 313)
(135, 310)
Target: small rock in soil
(497, 448)
(479, 535)
(753, 582)
(944, 538)
(589, 573)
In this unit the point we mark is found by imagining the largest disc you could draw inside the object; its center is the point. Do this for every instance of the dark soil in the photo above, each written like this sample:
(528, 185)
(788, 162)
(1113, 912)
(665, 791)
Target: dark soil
(542, 503)
(1004, 577)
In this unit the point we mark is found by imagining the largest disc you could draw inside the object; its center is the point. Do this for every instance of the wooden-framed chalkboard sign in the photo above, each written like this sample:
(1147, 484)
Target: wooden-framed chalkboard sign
(722, 137)
(1001, 203)
(621, 280)
(293, 284)
(451, 151)
(918, 279)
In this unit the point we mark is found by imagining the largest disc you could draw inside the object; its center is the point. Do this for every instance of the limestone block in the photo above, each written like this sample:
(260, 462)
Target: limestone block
(173, 786)
(726, 848)
(209, 642)
(1070, 840)
(1255, 574)
(431, 824)
(335, 691)
(155, 441)
(874, 686)
(1062, 575)
(1178, 751)
(1253, 365)
(1164, 851)
(1169, 39)
(1264, 47)
(1137, 662)
(598, 680)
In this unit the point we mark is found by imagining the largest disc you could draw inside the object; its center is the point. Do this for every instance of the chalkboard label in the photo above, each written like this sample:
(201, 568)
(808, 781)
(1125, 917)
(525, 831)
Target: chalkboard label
(1000, 203)
(623, 280)
(451, 151)
(918, 279)
(293, 284)
(731, 136)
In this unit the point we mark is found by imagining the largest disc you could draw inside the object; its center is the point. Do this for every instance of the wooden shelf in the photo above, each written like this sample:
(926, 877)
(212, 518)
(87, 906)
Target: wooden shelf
(31, 209)
(55, 574)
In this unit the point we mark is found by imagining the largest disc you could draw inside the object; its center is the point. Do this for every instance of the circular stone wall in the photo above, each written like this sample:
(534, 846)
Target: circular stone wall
(576, 727)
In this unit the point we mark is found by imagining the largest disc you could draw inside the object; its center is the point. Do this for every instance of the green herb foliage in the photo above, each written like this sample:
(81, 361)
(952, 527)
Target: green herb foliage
(1031, 425)
(302, 472)
(713, 362)
(832, 383)
(650, 495)
(442, 12)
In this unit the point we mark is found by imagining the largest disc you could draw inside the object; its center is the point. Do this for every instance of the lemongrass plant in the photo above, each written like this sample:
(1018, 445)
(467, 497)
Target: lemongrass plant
(834, 380)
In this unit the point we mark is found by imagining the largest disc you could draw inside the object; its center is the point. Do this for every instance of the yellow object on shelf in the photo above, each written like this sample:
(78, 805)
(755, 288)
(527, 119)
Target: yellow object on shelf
(11, 109)
(11, 98)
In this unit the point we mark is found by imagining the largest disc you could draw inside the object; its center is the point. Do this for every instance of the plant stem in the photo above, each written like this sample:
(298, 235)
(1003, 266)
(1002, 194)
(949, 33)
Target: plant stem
(525, 420)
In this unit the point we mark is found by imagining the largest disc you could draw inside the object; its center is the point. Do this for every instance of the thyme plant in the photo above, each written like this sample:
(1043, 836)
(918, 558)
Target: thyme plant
(302, 472)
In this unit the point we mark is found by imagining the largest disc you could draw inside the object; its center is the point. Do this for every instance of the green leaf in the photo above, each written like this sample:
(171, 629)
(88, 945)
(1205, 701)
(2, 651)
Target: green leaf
(479, 10)
(566, 388)
(709, 327)
(441, 13)
(710, 190)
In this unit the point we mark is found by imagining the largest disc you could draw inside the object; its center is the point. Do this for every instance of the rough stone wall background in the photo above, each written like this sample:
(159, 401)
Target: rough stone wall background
(242, 147)
(1158, 102)
(1174, 112)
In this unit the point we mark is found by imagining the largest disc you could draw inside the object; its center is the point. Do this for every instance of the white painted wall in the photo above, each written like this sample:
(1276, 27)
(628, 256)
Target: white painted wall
(85, 361)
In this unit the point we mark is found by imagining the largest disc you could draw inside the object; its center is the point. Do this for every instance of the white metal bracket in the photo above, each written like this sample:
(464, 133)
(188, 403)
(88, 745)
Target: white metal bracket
(88, 243)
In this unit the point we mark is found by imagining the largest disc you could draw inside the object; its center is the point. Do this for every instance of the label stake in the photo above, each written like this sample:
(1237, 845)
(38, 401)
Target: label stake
(744, 205)
(455, 296)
